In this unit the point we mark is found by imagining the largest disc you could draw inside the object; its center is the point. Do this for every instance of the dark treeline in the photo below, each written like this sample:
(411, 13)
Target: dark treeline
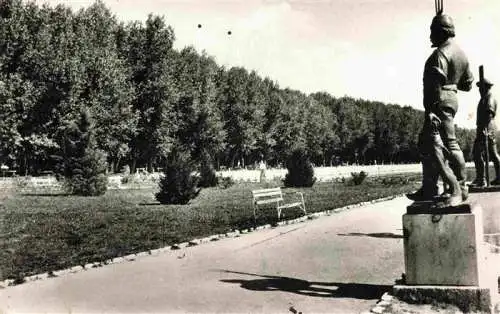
(147, 99)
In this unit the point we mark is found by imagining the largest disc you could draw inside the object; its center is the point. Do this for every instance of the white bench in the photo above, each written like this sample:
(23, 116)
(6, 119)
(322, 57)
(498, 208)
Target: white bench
(274, 195)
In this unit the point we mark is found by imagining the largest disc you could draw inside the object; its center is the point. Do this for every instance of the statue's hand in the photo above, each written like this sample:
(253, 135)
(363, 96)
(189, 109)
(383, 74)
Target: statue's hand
(435, 121)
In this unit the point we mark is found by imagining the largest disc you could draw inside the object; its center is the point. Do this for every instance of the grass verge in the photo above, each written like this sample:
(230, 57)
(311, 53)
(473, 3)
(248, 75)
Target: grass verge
(46, 232)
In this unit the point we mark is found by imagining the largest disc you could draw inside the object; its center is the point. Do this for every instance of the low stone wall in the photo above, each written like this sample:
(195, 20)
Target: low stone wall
(31, 184)
(323, 174)
(326, 173)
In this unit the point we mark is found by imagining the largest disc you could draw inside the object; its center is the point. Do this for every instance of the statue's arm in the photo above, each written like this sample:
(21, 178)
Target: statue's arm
(439, 68)
(492, 107)
(465, 83)
(435, 76)
(439, 75)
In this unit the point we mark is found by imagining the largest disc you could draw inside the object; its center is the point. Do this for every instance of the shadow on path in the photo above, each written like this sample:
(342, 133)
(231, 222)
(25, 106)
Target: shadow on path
(373, 235)
(309, 288)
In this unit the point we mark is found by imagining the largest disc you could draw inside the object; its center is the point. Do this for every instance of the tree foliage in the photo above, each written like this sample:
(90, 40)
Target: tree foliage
(81, 164)
(178, 184)
(300, 170)
(146, 98)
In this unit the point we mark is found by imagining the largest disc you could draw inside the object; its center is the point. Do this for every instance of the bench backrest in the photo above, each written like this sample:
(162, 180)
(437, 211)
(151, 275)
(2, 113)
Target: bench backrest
(267, 194)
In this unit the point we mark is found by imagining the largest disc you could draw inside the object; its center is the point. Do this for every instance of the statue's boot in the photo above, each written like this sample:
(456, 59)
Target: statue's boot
(478, 182)
(496, 181)
(464, 189)
(454, 200)
(445, 194)
(422, 195)
(429, 189)
(497, 173)
(457, 193)
(457, 162)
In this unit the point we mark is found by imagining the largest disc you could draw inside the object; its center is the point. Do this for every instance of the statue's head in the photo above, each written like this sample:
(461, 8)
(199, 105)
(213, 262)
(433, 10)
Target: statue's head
(484, 86)
(442, 28)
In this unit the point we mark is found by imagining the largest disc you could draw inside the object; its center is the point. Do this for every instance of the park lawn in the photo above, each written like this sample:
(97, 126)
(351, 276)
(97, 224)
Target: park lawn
(42, 233)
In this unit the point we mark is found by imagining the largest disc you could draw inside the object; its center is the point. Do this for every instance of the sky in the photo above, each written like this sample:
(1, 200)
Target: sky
(371, 49)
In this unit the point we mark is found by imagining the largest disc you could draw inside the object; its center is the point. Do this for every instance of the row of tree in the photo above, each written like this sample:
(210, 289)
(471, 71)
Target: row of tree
(147, 99)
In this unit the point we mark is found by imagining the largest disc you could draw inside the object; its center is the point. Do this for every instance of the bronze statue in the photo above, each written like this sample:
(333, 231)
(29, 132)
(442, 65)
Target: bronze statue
(485, 143)
(445, 72)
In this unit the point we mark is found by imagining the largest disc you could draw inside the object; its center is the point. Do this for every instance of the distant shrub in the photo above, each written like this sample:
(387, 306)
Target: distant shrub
(225, 182)
(208, 176)
(300, 170)
(178, 184)
(398, 180)
(80, 163)
(90, 178)
(358, 177)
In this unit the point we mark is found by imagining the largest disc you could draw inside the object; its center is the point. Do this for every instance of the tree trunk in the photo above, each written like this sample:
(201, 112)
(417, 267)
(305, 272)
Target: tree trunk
(26, 166)
(231, 164)
(133, 164)
(112, 166)
(117, 165)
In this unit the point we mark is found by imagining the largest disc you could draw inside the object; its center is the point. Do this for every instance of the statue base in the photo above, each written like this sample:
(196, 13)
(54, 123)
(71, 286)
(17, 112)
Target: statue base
(443, 245)
(445, 256)
(467, 299)
(438, 207)
(484, 189)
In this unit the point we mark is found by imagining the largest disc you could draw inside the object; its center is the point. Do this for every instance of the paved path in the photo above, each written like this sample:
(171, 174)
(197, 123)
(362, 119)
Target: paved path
(337, 264)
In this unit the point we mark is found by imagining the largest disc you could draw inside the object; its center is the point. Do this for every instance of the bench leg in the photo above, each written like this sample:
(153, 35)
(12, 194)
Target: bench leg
(303, 207)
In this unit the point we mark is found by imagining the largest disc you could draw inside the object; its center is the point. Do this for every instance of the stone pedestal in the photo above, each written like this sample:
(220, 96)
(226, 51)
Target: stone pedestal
(467, 299)
(445, 256)
(484, 189)
(443, 248)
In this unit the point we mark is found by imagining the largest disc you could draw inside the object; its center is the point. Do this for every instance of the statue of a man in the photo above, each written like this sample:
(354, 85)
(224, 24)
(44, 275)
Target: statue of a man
(485, 131)
(445, 72)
